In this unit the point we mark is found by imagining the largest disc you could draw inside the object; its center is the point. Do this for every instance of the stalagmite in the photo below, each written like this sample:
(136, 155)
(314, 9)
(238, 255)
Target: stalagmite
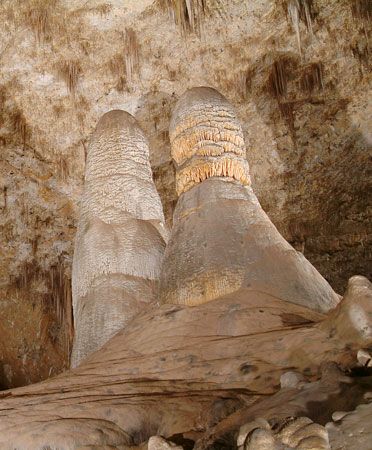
(177, 375)
(222, 240)
(121, 234)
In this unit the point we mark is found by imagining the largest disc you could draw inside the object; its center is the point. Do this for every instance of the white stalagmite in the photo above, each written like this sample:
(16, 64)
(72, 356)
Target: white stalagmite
(222, 240)
(121, 234)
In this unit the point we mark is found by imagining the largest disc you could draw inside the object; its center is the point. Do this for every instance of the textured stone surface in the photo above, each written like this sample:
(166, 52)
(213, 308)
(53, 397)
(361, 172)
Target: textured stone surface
(306, 120)
(206, 139)
(197, 373)
(121, 235)
(222, 240)
(353, 431)
(291, 433)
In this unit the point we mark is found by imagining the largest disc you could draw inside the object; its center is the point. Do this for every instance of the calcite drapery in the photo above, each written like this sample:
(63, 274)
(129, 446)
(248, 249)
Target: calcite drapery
(121, 234)
(221, 239)
(207, 139)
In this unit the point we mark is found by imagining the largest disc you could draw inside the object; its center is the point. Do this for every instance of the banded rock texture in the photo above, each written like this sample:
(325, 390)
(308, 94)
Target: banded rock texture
(198, 372)
(121, 234)
(221, 239)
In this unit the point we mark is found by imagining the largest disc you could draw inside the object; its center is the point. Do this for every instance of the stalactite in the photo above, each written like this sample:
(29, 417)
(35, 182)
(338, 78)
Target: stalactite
(39, 22)
(278, 78)
(60, 293)
(294, 15)
(56, 299)
(131, 57)
(19, 126)
(62, 168)
(103, 9)
(69, 71)
(40, 15)
(360, 47)
(312, 78)
(282, 70)
(300, 10)
(5, 196)
(118, 69)
(242, 82)
(187, 14)
(362, 9)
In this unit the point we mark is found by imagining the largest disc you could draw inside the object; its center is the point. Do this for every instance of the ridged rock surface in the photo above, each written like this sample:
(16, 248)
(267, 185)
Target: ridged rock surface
(120, 236)
(197, 374)
(221, 239)
(206, 140)
(64, 63)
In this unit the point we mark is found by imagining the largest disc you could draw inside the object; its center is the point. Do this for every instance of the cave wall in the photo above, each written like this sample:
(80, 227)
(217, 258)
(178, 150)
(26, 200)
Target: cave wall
(299, 78)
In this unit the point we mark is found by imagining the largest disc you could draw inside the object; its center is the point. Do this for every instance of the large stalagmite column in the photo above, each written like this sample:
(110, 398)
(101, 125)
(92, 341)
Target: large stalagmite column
(121, 235)
(222, 240)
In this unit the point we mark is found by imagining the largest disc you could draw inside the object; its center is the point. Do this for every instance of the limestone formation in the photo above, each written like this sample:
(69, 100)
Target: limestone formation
(222, 240)
(66, 62)
(265, 356)
(291, 433)
(207, 140)
(121, 234)
(353, 431)
(196, 373)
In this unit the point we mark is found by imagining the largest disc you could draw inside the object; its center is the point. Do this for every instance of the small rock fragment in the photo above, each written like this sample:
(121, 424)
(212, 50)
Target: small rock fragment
(364, 358)
(291, 380)
(159, 443)
(338, 415)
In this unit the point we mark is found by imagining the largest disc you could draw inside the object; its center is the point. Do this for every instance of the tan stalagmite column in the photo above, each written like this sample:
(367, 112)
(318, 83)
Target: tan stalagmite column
(121, 235)
(222, 240)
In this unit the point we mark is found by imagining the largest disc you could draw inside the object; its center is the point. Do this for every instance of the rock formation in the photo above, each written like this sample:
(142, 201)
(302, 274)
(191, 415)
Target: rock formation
(121, 234)
(192, 377)
(198, 374)
(292, 433)
(353, 429)
(221, 239)
(64, 63)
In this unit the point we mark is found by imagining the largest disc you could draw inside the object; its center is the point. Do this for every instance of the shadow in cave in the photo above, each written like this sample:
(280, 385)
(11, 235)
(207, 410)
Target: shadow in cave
(327, 164)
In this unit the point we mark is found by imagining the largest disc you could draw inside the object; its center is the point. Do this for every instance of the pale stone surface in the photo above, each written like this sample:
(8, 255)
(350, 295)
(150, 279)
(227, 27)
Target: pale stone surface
(206, 139)
(249, 427)
(353, 431)
(159, 443)
(222, 240)
(293, 433)
(291, 380)
(121, 234)
(307, 144)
